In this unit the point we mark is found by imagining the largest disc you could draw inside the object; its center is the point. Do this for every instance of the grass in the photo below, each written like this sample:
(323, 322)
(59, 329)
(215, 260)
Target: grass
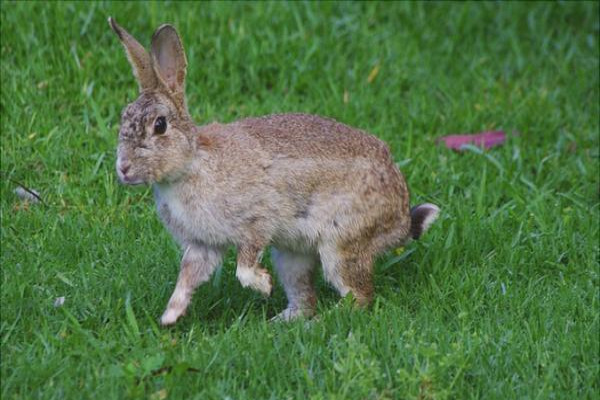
(499, 300)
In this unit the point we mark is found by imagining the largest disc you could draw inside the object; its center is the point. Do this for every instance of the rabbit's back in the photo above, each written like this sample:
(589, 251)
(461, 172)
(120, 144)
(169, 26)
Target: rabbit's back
(312, 136)
(315, 154)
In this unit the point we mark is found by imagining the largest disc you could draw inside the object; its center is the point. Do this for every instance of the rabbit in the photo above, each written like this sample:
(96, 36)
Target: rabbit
(310, 187)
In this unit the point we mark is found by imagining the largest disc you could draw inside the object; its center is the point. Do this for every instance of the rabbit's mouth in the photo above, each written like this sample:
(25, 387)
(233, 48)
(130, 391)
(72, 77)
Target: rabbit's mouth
(126, 180)
(129, 180)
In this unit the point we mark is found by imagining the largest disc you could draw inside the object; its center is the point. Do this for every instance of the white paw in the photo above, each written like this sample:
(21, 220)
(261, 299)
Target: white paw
(264, 282)
(170, 316)
(257, 279)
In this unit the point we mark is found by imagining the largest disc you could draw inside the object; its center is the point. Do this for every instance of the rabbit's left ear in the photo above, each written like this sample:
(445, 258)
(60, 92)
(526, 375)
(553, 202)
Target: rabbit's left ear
(169, 60)
(138, 57)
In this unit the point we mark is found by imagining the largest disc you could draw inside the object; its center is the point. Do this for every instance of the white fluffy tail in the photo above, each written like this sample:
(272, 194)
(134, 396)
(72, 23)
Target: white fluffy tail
(422, 216)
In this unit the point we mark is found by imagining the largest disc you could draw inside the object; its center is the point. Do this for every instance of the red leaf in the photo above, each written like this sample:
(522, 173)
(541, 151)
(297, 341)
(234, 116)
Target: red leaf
(483, 139)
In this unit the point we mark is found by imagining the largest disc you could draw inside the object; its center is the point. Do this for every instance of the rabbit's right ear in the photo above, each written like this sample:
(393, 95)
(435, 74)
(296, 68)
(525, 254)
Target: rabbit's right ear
(138, 57)
(170, 62)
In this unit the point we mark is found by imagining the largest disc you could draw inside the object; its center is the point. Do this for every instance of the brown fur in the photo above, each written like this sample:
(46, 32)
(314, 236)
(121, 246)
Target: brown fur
(312, 187)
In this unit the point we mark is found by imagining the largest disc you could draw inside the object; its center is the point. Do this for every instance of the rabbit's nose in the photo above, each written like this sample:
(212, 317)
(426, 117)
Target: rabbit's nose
(124, 167)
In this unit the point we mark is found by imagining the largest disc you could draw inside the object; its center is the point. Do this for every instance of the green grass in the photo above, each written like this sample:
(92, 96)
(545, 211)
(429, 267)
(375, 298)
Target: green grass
(499, 300)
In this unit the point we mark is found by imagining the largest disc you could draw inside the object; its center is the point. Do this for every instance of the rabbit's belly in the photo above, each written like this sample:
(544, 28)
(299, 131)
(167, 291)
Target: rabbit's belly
(295, 242)
(301, 235)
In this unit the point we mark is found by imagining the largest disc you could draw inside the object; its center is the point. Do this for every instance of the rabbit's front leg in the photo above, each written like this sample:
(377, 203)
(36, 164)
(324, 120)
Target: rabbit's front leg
(197, 265)
(249, 271)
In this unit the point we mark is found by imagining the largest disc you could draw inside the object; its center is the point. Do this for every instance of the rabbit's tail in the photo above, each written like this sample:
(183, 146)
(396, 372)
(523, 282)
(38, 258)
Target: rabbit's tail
(422, 216)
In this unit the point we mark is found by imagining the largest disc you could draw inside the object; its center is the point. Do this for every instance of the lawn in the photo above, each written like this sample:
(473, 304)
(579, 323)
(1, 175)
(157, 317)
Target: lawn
(499, 300)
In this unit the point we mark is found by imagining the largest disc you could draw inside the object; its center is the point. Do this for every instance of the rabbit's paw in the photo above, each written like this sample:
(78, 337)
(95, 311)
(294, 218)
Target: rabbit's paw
(170, 316)
(257, 278)
(292, 313)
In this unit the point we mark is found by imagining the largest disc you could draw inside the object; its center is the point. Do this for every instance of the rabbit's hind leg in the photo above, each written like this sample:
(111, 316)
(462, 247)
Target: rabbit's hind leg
(197, 265)
(249, 271)
(349, 268)
(295, 271)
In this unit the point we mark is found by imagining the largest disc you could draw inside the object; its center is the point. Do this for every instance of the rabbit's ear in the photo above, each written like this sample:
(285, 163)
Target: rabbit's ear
(138, 57)
(169, 60)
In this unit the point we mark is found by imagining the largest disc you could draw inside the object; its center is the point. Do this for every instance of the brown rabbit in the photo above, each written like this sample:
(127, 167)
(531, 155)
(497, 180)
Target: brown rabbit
(312, 187)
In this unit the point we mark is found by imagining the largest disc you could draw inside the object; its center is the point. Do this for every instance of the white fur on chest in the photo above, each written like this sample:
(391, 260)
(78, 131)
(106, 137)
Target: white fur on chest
(190, 218)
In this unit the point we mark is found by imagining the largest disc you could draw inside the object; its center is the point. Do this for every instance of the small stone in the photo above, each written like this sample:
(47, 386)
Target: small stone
(59, 301)
(32, 195)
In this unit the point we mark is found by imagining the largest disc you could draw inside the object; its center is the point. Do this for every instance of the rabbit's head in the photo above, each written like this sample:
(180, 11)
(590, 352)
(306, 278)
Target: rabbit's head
(155, 137)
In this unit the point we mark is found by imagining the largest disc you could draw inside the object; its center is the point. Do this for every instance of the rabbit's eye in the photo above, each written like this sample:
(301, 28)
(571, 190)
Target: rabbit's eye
(160, 125)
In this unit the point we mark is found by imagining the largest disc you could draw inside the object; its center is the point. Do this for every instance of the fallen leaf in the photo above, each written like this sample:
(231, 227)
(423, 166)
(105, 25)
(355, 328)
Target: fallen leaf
(160, 395)
(483, 139)
(23, 206)
(373, 74)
